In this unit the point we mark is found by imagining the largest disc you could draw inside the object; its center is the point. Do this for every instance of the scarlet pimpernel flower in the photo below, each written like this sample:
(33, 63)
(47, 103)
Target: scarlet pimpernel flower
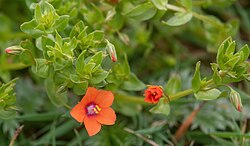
(153, 94)
(94, 110)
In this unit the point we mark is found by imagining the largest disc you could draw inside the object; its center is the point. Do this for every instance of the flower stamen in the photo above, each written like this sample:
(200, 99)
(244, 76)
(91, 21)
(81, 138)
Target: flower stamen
(97, 109)
(93, 109)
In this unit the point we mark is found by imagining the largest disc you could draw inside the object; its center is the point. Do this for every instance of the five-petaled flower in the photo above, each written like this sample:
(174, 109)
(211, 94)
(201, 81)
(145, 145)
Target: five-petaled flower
(94, 110)
(153, 94)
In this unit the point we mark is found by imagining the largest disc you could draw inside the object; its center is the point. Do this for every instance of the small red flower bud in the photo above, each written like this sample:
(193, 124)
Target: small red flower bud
(111, 51)
(14, 50)
(236, 100)
(153, 94)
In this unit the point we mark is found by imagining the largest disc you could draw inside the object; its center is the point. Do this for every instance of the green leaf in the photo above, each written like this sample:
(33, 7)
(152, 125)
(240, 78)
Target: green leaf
(77, 29)
(97, 35)
(142, 12)
(98, 77)
(230, 49)
(196, 81)
(97, 58)
(41, 68)
(80, 88)
(160, 4)
(30, 28)
(60, 24)
(133, 83)
(233, 61)
(59, 40)
(80, 63)
(89, 67)
(207, 95)
(38, 14)
(246, 52)
(162, 107)
(221, 53)
(26, 57)
(179, 19)
(173, 85)
(57, 98)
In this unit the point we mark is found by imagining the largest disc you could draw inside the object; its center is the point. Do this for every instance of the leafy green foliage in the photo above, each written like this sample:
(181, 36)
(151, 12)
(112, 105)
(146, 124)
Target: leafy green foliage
(45, 21)
(232, 66)
(69, 46)
(7, 100)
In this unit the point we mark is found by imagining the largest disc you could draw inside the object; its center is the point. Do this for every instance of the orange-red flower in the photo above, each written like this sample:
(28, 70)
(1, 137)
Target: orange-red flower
(153, 94)
(94, 110)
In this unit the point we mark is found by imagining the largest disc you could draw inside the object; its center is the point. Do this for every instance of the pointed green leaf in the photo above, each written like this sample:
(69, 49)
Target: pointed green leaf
(246, 52)
(196, 81)
(59, 40)
(80, 63)
(77, 29)
(230, 49)
(179, 19)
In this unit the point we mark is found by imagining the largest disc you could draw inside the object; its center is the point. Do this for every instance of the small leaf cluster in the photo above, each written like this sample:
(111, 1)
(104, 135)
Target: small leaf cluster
(45, 21)
(73, 62)
(231, 67)
(7, 100)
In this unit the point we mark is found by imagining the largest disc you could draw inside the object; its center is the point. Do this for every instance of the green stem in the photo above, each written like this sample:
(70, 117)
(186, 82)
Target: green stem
(140, 100)
(128, 98)
(180, 94)
(196, 15)
(175, 8)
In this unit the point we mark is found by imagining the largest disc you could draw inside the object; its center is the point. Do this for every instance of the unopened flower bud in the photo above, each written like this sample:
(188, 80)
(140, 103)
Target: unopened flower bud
(111, 51)
(14, 50)
(236, 100)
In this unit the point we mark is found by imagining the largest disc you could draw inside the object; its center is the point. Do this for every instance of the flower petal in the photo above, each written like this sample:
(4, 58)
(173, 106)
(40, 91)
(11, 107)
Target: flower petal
(106, 116)
(78, 112)
(90, 95)
(104, 99)
(91, 125)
